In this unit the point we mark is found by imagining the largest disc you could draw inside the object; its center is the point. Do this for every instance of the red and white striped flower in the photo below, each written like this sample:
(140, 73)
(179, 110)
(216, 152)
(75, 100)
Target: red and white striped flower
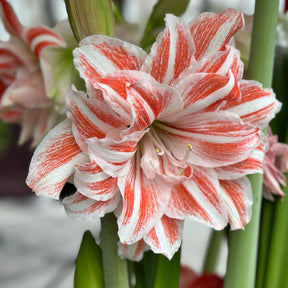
(23, 97)
(276, 164)
(159, 138)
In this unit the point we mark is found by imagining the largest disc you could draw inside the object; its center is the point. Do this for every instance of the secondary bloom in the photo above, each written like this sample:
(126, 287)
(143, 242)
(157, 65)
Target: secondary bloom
(159, 138)
(276, 164)
(24, 84)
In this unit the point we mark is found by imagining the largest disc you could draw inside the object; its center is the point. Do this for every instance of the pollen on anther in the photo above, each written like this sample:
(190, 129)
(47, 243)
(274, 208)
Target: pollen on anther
(190, 147)
(157, 150)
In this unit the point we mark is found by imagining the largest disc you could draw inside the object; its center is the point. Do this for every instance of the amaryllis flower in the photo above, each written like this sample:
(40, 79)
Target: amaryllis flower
(159, 138)
(276, 164)
(23, 85)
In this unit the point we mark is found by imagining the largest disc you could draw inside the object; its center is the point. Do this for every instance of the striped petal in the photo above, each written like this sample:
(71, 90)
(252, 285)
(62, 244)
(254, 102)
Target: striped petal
(198, 198)
(220, 62)
(79, 206)
(165, 237)
(10, 20)
(90, 117)
(111, 155)
(237, 200)
(144, 202)
(93, 183)
(53, 161)
(133, 251)
(171, 53)
(99, 55)
(215, 139)
(211, 32)
(39, 38)
(257, 105)
(253, 164)
(201, 90)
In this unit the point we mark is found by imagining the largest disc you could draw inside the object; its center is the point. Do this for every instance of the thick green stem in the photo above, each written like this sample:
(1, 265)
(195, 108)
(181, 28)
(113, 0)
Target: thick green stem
(241, 266)
(115, 269)
(278, 244)
(267, 218)
(167, 271)
(212, 253)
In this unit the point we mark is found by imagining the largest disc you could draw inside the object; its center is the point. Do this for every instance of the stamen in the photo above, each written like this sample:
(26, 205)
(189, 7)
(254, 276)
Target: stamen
(190, 147)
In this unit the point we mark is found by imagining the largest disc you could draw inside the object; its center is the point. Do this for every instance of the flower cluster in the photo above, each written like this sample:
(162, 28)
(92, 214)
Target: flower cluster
(25, 77)
(159, 137)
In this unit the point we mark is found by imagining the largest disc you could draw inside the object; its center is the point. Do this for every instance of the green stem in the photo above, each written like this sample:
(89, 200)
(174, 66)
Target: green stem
(278, 244)
(115, 269)
(241, 266)
(267, 217)
(212, 253)
(167, 271)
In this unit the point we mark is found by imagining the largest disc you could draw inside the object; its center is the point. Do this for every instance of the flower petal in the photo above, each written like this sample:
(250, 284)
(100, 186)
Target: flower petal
(53, 161)
(90, 117)
(93, 183)
(199, 199)
(253, 164)
(171, 53)
(111, 155)
(99, 55)
(10, 19)
(215, 139)
(220, 62)
(79, 206)
(237, 200)
(257, 105)
(39, 38)
(144, 202)
(165, 237)
(133, 251)
(211, 32)
(200, 90)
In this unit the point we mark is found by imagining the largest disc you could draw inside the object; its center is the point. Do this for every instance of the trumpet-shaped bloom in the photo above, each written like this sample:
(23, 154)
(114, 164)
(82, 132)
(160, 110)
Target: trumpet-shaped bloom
(276, 164)
(159, 137)
(24, 86)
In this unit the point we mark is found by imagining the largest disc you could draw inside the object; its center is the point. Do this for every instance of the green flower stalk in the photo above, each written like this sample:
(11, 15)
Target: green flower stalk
(243, 245)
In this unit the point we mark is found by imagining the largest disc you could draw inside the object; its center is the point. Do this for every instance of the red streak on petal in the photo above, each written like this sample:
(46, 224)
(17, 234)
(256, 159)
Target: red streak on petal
(120, 57)
(103, 186)
(86, 128)
(160, 61)
(57, 154)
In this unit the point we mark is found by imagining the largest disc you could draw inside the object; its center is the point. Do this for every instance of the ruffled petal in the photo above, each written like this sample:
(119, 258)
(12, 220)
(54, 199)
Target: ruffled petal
(93, 183)
(99, 55)
(200, 90)
(253, 164)
(256, 106)
(111, 155)
(220, 62)
(10, 19)
(171, 53)
(53, 161)
(90, 117)
(211, 32)
(138, 94)
(198, 199)
(79, 206)
(237, 200)
(144, 202)
(215, 139)
(165, 237)
(133, 251)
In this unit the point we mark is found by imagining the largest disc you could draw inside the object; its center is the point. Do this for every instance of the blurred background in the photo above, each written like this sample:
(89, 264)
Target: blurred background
(38, 242)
